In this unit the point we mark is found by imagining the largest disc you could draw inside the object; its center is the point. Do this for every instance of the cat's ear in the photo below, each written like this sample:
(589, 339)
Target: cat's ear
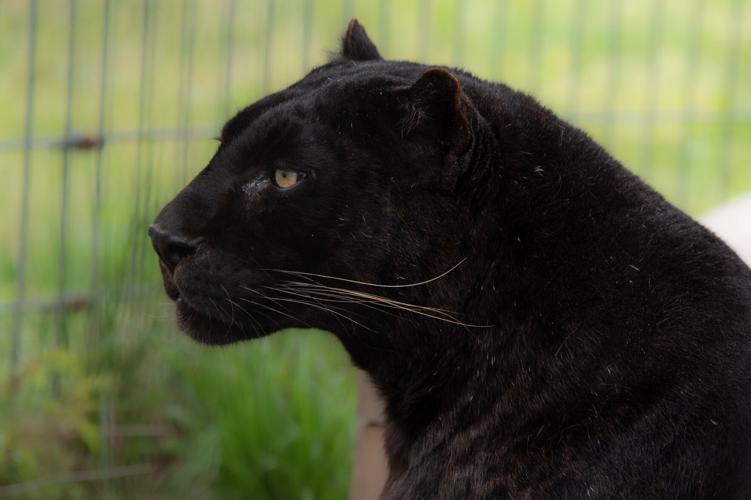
(356, 45)
(436, 109)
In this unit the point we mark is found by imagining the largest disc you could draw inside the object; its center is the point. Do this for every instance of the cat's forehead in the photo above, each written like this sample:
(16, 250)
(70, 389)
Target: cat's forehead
(330, 87)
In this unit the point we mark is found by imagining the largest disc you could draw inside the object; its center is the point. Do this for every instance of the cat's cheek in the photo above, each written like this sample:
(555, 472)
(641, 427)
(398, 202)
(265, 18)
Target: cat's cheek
(254, 195)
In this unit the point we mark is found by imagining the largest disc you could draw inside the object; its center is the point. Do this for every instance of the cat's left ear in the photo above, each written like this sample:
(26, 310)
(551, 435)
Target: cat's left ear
(356, 45)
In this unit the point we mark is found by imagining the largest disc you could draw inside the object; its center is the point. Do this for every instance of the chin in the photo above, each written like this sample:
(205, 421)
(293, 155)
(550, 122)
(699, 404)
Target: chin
(210, 330)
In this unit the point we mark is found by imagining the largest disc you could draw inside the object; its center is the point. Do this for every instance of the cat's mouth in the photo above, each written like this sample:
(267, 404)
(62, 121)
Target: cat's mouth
(208, 328)
(194, 317)
(210, 321)
(218, 308)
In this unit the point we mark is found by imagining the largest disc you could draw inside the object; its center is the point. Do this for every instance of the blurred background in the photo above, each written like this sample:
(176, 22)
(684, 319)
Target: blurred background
(107, 107)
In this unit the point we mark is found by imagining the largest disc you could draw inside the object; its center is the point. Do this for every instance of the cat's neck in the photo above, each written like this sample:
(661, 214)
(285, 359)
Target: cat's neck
(438, 377)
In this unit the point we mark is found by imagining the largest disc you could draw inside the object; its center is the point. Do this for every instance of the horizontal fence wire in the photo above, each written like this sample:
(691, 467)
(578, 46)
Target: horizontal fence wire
(123, 471)
(82, 141)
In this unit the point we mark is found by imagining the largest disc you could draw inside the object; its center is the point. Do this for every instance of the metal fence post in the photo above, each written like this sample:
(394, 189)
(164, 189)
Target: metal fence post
(23, 237)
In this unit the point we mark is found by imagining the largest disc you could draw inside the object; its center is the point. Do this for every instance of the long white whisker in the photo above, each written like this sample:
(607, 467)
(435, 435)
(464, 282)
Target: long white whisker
(250, 316)
(309, 297)
(263, 296)
(221, 313)
(370, 296)
(332, 297)
(326, 309)
(364, 283)
(274, 310)
(231, 305)
(415, 309)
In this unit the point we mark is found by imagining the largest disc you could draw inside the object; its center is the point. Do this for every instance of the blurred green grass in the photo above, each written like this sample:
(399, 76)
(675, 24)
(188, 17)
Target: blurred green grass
(274, 419)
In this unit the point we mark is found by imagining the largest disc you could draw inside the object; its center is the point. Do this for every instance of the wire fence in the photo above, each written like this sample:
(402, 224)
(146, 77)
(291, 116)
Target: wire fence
(110, 106)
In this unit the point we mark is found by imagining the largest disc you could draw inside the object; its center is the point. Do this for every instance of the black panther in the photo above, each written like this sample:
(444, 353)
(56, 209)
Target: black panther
(539, 322)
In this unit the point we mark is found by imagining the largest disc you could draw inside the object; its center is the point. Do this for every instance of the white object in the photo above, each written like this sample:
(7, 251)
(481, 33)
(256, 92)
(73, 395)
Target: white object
(732, 223)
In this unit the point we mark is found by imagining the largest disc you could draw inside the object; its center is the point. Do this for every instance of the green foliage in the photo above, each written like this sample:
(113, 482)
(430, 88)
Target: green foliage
(46, 417)
(282, 429)
(273, 418)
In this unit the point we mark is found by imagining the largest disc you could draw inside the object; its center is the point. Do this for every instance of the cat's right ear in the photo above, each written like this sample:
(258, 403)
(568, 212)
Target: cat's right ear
(356, 45)
(436, 114)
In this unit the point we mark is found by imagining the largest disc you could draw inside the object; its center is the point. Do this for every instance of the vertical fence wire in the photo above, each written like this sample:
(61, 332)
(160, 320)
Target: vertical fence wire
(692, 65)
(652, 85)
(307, 34)
(459, 19)
(384, 25)
(95, 287)
(146, 184)
(60, 316)
(268, 46)
(95, 320)
(579, 18)
(149, 7)
(614, 74)
(536, 40)
(62, 334)
(228, 53)
(140, 163)
(735, 25)
(347, 9)
(187, 38)
(423, 28)
(23, 236)
(497, 51)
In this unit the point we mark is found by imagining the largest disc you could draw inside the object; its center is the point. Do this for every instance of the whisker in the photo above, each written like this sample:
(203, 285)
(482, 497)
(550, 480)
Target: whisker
(320, 293)
(255, 321)
(265, 297)
(309, 297)
(399, 306)
(367, 295)
(247, 313)
(318, 299)
(340, 299)
(222, 313)
(231, 304)
(326, 309)
(364, 283)
(216, 307)
(239, 323)
(272, 309)
(438, 314)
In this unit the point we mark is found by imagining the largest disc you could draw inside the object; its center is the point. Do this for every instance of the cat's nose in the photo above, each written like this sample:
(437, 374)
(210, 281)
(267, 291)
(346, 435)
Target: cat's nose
(171, 248)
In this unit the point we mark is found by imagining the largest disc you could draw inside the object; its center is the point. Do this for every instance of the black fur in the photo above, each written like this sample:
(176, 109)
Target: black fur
(600, 340)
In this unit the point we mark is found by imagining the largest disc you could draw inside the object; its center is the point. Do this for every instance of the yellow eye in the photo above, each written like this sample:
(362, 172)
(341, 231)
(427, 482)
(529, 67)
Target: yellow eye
(286, 178)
